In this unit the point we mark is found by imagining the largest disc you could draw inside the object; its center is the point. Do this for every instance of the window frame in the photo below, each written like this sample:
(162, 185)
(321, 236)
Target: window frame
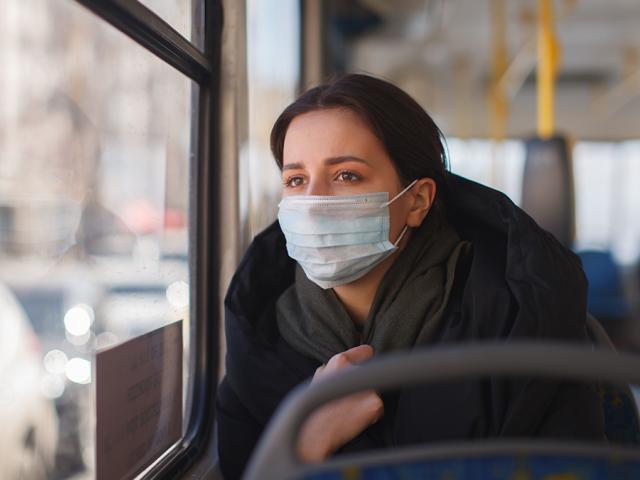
(154, 34)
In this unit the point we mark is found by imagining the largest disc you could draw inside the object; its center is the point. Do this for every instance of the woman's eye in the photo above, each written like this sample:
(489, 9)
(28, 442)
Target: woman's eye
(347, 176)
(293, 182)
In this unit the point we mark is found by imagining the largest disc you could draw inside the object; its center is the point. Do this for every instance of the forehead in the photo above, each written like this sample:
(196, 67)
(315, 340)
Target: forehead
(327, 133)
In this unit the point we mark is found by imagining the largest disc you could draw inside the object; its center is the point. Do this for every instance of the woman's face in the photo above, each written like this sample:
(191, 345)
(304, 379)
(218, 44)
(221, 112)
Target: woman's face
(333, 152)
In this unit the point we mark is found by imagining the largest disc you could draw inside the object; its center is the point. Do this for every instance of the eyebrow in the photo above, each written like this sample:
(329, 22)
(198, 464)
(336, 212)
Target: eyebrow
(328, 161)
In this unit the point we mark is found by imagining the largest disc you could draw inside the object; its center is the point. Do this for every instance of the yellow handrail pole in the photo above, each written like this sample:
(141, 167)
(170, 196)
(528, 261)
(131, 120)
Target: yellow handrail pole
(500, 62)
(499, 103)
(463, 88)
(547, 67)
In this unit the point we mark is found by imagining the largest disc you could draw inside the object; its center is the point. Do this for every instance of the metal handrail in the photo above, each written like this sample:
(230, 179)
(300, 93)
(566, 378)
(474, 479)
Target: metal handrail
(275, 455)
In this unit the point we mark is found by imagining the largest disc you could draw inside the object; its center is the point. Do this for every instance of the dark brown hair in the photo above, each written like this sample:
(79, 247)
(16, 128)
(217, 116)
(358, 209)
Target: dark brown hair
(410, 136)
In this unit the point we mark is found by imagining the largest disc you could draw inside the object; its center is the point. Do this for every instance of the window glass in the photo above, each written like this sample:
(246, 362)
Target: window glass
(608, 219)
(272, 38)
(177, 13)
(594, 164)
(499, 165)
(94, 218)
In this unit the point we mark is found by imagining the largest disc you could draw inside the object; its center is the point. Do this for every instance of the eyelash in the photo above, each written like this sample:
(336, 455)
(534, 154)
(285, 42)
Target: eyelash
(355, 176)
(288, 183)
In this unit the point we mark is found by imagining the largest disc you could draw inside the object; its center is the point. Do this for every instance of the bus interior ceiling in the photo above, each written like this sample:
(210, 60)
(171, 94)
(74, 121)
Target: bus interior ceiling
(444, 54)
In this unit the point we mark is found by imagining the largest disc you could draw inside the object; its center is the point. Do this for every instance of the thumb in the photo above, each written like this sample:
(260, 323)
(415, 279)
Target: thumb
(359, 354)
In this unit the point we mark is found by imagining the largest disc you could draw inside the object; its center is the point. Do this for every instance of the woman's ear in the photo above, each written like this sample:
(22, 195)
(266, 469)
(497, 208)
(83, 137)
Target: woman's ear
(423, 194)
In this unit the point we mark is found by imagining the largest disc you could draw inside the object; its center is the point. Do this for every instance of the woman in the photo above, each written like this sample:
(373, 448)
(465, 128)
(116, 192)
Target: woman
(379, 249)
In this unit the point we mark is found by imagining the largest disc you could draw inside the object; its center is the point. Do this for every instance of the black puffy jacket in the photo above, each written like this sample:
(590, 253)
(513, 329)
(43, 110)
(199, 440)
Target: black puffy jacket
(517, 283)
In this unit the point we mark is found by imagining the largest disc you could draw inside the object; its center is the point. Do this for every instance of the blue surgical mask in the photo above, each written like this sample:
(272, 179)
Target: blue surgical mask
(338, 239)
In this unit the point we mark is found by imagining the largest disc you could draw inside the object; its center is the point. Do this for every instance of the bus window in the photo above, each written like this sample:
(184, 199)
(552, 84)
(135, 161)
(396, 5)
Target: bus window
(273, 34)
(178, 14)
(98, 150)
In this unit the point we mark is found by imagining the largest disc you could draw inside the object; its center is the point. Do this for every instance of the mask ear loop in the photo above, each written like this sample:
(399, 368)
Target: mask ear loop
(399, 195)
(406, 227)
(404, 230)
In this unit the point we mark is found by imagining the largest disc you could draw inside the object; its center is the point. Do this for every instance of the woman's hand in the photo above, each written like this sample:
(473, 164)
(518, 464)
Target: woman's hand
(339, 421)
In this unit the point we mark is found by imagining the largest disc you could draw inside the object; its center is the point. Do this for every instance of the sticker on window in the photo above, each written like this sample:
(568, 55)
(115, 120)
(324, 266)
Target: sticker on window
(138, 402)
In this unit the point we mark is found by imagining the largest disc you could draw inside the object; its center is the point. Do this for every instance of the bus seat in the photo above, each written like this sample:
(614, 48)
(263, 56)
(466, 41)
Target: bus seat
(606, 298)
(618, 404)
(533, 459)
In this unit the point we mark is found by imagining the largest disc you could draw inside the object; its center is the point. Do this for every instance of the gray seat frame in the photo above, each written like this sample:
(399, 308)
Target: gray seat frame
(275, 455)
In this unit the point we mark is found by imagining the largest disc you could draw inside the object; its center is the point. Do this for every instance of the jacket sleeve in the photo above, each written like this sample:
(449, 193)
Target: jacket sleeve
(238, 432)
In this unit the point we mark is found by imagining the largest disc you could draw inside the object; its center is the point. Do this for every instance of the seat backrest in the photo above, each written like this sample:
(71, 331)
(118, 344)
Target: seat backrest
(606, 297)
(275, 456)
(618, 404)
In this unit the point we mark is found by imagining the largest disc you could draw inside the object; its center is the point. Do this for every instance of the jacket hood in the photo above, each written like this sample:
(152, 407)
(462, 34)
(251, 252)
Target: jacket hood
(545, 278)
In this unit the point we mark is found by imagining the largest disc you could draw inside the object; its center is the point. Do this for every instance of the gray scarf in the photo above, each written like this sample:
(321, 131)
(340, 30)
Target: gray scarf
(407, 308)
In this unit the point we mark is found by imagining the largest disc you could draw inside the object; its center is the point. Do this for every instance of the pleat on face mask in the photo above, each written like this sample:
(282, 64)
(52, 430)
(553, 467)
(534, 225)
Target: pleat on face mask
(338, 239)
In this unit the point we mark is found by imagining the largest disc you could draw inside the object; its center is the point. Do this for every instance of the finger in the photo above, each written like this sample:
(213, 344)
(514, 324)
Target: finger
(376, 406)
(359, 354)
(346, 359)
(319, 370)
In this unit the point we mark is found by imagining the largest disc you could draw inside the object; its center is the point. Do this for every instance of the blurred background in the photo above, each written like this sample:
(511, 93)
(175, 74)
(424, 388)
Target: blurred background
(538, 99)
